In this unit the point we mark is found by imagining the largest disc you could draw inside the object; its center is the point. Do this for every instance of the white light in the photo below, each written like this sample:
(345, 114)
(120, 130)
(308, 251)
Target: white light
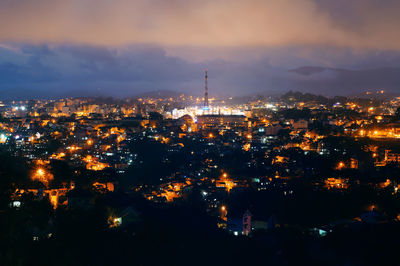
(16, 204)
(3, 138)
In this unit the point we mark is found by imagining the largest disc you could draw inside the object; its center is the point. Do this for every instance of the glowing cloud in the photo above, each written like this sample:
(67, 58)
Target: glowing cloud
(202, 23)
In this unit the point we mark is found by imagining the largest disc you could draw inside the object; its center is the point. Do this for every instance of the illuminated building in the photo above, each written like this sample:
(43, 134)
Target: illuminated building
(246, 223)
(299, 124)
(225, 182)
(392, 157)
(217, 120)
(336, 183)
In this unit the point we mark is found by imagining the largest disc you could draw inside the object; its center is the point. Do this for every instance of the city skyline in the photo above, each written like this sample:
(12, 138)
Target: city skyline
(123, 48)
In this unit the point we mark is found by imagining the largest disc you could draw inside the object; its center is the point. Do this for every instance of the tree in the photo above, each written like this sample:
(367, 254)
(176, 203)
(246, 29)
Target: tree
(284, 135)
(155, 116)
(397, 114)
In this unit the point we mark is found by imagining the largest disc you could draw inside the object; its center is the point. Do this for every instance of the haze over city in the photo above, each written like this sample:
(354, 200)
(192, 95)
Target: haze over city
(123, 48)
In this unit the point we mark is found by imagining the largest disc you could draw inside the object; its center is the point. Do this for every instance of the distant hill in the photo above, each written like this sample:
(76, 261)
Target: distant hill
(308, 70)
(159, 94)
(389, 72)
(338, 81)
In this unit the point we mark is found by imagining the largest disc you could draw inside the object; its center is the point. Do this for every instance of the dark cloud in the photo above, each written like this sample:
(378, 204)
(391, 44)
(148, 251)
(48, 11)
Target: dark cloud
(73, 70)
(70, 68)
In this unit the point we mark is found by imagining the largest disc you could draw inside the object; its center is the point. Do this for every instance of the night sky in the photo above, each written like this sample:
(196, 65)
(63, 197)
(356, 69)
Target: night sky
(55, 48)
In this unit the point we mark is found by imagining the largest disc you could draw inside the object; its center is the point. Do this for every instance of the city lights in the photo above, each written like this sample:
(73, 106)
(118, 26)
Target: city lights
(199, 132)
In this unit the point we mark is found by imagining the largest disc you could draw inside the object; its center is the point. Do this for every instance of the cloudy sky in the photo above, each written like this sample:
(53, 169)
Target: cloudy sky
(121, 48)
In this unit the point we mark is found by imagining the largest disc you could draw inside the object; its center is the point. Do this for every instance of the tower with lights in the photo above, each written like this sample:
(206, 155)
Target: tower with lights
(206, 106)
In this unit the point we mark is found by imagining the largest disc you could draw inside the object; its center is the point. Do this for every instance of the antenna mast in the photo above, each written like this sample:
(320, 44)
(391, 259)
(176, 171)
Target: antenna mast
(206, 106)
